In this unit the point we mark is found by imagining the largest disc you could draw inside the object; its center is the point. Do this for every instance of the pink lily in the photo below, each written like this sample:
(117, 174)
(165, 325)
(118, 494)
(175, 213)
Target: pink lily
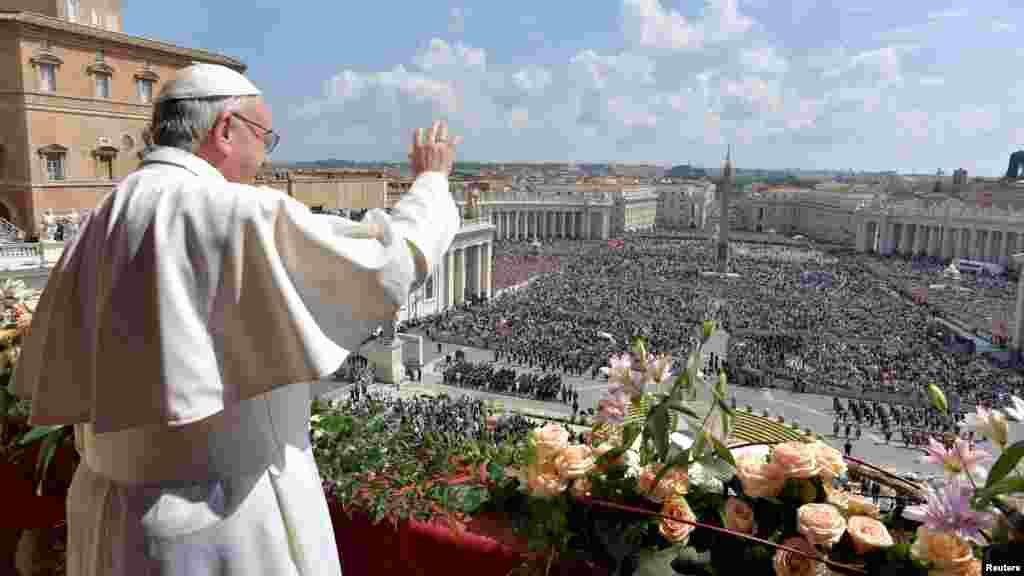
(957, 460)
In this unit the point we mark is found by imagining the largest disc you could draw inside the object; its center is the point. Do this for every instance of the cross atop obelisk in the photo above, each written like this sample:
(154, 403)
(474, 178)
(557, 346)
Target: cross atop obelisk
(725, 190)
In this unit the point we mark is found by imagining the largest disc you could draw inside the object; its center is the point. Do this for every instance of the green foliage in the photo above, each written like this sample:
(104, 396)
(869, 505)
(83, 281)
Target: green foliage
(1005, 464)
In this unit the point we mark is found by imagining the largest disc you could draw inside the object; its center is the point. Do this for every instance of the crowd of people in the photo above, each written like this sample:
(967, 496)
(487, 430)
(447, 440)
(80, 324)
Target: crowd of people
(444, 418)
(830, 321)
(981, 302)
(484, 376)
(915, 424)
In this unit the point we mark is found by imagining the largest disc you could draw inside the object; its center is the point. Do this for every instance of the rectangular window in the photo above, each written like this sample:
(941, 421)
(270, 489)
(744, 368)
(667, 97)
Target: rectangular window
(102, 86)
(55, 166)
(107, 168)
(48, 77)
(73, 8)
(145, 88)
(428, 290)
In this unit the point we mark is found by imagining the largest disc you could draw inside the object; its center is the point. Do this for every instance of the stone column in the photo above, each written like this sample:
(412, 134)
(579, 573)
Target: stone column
(906, 239)
(449, 289)
(586, 225)
(565, 224)
(1004, 241)
(883, 236)
(606, 225)
(475, 280)
(862, 235)
(486, 269)
(1018, 329)
(544, 224)
(460, 276)
(919, 239)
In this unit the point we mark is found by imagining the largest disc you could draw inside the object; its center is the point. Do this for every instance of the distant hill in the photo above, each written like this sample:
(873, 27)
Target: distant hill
(685, 171)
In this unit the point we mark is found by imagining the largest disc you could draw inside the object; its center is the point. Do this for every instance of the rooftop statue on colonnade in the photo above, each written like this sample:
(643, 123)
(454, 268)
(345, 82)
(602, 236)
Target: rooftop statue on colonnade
(1015, 171)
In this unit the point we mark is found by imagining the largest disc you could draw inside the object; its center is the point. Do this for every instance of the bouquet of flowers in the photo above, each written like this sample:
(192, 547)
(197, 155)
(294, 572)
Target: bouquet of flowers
(640, 496)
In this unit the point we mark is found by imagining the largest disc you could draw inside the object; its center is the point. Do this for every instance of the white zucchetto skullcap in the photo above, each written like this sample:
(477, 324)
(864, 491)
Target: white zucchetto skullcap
(206, 81)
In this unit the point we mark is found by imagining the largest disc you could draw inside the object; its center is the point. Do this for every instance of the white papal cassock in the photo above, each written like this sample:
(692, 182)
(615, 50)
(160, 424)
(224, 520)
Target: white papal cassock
(180, 332)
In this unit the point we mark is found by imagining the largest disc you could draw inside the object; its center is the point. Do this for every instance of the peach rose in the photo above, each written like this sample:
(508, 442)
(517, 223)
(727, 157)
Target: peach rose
(759, 479)
(676, 532)
(821, 524)
(606, 434)
(574, 461)
(581, 487)
(674, 483)
(830, 461)
(949, 554)
(739, 516)
(840, 499)
(858, 505)
(787, 563)
(550, 440)
(545, 481)
(797, 460)
(867, 534)
(604, 449)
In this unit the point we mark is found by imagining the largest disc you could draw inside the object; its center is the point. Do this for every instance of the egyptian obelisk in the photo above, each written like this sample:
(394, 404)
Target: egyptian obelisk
(725, 189)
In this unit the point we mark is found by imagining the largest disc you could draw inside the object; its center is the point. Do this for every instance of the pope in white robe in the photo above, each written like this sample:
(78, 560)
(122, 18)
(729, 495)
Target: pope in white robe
(181, 333)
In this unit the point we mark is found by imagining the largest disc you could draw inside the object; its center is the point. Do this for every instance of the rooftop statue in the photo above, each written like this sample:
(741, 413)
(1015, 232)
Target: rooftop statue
(1016, 168)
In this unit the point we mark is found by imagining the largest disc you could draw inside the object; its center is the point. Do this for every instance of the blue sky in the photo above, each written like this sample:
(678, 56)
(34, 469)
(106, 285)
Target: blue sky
(904, 85)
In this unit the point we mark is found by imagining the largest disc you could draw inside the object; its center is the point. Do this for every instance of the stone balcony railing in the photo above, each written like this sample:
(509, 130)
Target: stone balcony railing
(26, 255)
(44, 99)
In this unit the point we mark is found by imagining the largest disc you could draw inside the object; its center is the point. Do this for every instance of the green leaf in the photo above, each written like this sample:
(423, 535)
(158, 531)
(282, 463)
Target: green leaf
(630, 434)
(723, 452)
(697, 449)
(683, 408)
(37, 433)
(1004, 486)
(1006, 463)
(657, 423)
(43, 462)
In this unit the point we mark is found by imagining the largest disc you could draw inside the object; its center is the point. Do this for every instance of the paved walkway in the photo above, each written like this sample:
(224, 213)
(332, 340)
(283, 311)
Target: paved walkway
(812, 411)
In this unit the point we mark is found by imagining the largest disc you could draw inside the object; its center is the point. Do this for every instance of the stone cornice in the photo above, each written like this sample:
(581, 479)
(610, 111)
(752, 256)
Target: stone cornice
(43, 23)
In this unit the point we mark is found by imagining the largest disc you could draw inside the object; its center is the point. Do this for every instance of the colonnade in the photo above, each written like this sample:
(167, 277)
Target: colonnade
(546, 223)
(464, 272)
(972, 242)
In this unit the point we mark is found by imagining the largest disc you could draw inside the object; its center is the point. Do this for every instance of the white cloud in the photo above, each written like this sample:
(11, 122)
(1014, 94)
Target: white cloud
(457, 20)
(976, 121)
(999, 25)
(805, 115)
(630, 113)
(755, 91)
(440, 54)
(916, 123)
(764, 59)
(533, 80)
(649, 24)
(884, 62)
(947, 14)
(628, 67)
(517, 118)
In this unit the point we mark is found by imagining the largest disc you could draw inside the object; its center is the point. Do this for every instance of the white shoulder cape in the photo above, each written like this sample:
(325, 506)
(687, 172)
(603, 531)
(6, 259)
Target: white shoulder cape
(183, 294)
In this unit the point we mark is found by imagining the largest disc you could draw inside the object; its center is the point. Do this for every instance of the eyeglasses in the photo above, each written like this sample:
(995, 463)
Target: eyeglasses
(270, 138)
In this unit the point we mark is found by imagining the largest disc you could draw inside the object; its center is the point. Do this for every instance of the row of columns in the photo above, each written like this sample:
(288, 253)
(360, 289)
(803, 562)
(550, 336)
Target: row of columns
(948, 242)
(525, 224)
(467, 271)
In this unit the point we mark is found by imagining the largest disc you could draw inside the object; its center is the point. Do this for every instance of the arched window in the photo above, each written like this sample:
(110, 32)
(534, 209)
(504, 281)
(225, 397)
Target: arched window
(105, 156)
(54, 156)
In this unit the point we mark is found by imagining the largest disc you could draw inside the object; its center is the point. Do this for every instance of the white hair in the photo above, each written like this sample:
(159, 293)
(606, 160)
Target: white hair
(186, 123)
